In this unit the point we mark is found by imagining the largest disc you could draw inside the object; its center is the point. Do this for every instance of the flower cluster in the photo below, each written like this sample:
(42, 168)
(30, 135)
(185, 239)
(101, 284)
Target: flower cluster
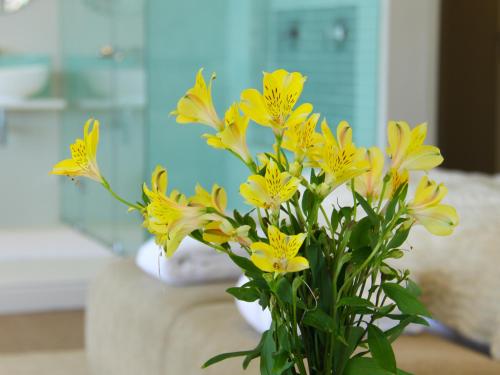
(296, 264)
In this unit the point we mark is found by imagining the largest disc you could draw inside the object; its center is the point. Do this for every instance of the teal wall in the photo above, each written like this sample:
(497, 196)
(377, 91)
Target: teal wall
(343, 77)
(223, 37)
(160, 45)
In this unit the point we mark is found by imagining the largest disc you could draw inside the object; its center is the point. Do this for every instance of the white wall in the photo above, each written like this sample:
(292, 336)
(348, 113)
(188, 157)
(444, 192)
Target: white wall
(28, 195)
(409, 66)
(33, 29)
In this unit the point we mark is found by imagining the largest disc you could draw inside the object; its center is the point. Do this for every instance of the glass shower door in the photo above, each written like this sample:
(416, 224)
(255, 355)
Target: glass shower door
(102, 54)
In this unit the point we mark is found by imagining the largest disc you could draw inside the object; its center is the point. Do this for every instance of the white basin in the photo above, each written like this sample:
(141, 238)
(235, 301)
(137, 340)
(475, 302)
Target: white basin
(19, 82)
(125, 83)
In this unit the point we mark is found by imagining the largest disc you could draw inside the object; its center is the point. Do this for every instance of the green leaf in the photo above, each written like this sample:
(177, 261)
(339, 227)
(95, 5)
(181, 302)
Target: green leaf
(391, 207)
(381, 349)
(395, 254)
(354, 301)
(393, 333)
(307, 202)
(244, 294)
(360, 235)
(354, 338)
(364, 366)
(401, 372)
(368, 209)
(413, 288)
(346, 213)
(321, 279)
(267, 353)
(223, 356)
(406, 302)
(360, 255)
(399, 237)
(335, 219)
(246, 265)
(319, 319)
(284, 290)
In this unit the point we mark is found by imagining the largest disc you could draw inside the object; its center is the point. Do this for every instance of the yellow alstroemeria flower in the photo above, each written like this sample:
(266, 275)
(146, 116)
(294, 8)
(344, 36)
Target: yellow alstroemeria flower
(171, 218)
(220, 232)
(274, 107)
(217, 199)
(407, 150)
(397, 179)
(233, 137)
(302, 139)
(439, 219)
(370, 183)
(339, 158)
(83, 160)
(280, 255)
(196, 106)
(270, 190)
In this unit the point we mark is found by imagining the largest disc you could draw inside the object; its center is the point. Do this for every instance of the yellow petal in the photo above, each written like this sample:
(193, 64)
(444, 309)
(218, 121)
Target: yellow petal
(214, 141)
(213, 233)
(399, 138)
(219, 198)
(297, 264)
(428, 193)
(344, 134)
(262, 249)
(299, 115)
(423, 159)
(159, 180)
(440, 220)
(67, 167)
(289, 186)
(255, 191)
(327, 134)
(294, 243)
(263, 263)
(253, 105)
(92, 138)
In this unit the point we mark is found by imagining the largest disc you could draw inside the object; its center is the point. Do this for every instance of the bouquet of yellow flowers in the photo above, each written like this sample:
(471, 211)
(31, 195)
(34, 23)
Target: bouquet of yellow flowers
(323, 271)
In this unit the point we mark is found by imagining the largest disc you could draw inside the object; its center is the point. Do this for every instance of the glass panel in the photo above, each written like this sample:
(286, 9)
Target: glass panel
(104, 78)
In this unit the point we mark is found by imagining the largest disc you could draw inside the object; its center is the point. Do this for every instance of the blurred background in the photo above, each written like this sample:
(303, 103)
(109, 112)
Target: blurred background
(126, 63)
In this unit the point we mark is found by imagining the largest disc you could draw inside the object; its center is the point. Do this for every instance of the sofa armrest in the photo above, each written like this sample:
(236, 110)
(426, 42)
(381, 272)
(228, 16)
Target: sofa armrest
(130, 318)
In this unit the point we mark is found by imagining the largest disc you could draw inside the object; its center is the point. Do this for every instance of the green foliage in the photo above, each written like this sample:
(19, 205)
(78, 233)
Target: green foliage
(327, 314)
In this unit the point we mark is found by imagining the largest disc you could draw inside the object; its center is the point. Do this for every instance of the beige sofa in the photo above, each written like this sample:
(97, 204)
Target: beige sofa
(137, 325)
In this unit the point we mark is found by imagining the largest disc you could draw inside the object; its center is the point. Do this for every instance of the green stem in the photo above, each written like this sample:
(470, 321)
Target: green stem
(332, 231)
(106, 185)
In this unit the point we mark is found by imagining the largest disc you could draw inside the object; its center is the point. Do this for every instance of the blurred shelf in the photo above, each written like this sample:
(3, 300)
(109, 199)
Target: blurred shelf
(37, 104)
(132, 103)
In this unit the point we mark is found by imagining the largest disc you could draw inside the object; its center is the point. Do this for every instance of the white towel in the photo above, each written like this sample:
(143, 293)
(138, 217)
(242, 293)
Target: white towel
(192, 263)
